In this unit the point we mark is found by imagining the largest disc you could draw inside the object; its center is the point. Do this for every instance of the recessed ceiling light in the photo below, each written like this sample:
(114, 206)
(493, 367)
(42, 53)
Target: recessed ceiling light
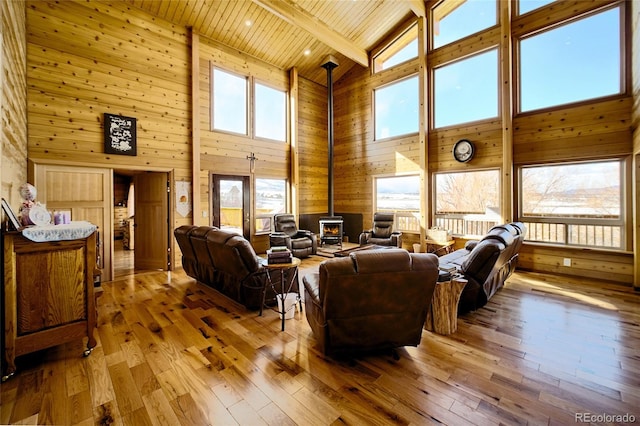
(248, 22)
(307, 52)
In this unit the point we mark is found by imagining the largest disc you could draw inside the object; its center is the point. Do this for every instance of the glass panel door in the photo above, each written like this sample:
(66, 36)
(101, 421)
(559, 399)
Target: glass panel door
(231, 204)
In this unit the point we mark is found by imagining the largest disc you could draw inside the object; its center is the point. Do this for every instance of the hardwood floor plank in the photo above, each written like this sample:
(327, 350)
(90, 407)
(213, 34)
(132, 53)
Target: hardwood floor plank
(273, 415)
(102, 391)
(55, 410)
(144, 379)
(159, 409)
(172, 351)
(124, 386)
(81, 409)
(188, 413)
(244, 414)
(107, 414)
(245, 389)
(29, 395)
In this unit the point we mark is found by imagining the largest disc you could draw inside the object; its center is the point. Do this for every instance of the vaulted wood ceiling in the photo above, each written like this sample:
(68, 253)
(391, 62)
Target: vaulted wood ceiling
(280, 31)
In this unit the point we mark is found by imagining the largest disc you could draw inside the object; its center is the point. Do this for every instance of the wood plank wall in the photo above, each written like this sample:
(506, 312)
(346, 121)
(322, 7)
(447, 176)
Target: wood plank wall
(313, 147)
(89, 58)
(635, 64)
(357, 158)
(587, 131)
(226, 153)
(13, 100)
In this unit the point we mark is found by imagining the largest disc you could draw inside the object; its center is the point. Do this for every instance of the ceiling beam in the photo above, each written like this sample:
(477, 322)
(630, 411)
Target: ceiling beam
(299, 17)
(418, 8)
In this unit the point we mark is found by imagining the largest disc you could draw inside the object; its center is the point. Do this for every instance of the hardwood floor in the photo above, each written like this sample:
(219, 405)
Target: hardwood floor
(123, 260)
(545, 350)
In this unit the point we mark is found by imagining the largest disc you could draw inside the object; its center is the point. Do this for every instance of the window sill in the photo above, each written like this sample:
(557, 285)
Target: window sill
(577, 248)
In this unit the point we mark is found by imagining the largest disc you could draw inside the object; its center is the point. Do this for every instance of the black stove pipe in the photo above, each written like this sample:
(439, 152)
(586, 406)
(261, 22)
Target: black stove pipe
(329, 64)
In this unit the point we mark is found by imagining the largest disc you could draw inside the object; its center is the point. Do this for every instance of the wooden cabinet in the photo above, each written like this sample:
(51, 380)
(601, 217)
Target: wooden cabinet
(48, 295)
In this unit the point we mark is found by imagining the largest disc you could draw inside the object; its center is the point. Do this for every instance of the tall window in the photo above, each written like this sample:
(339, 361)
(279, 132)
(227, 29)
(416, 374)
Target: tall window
(467, 203)
(466, 90)
(402, 49)
(271, 198)
(574, 204)
(270, 113)
(397, 108)
(455, 19)
(230, 110)
(401, 195)
(574, 62)
(229, 102)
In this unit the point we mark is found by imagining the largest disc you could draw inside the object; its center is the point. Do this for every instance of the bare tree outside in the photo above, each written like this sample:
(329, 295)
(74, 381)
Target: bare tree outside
(467, 192)
(574, 190)
(583, 201)
(468, 203)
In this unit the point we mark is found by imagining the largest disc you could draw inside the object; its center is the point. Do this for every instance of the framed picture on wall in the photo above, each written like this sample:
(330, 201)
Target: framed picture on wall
(119, 134)
(11, 216)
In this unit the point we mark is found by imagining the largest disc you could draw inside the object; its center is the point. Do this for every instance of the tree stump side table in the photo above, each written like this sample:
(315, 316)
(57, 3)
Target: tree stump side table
(442, 317)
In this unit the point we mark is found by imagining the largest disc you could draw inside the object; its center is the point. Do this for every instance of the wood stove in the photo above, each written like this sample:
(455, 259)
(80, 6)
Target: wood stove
(331, 230)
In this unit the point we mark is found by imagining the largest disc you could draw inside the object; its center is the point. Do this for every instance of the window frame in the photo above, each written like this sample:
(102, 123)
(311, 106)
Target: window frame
(568, 221)
(250, 107)
(518, 7)
(517, 60)
(433, 109)
(375, 112)
(269, 216)
(212, 106)
(397, 42)
(254, 106)
(410, 216)
(449, 221)
(434, 24)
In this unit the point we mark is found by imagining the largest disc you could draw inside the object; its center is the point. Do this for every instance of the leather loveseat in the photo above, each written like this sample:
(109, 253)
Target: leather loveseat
(371, 300)
(486, 263)
(226, 262)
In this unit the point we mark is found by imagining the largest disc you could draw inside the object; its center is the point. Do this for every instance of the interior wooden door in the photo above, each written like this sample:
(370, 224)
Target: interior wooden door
(87, 193)
(151, 221)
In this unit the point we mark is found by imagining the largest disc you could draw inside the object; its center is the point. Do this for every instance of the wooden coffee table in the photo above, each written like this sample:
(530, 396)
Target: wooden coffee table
(347, 252)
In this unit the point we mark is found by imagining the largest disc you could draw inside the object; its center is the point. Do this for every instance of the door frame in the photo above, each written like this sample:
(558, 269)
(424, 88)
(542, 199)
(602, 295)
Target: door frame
(214, 178)
(170, 213)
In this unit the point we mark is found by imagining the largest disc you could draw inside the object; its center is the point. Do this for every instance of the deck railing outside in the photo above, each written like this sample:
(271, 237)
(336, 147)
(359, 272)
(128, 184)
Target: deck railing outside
(602, 236)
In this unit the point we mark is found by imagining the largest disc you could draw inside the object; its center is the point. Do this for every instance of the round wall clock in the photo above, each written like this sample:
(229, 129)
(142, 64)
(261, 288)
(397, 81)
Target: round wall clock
(463, 150)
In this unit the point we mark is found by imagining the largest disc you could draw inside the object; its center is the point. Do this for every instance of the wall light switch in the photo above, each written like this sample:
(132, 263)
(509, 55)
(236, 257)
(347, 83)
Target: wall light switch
(204, 213)
(567, 261)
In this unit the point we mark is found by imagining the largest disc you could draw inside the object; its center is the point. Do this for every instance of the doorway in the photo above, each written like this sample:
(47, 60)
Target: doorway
(145, 242)
(231, 203)
(123, 229)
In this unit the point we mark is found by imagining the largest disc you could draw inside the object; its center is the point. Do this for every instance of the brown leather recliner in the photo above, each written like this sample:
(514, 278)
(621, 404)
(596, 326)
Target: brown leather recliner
(382, 232)
(371, 300)
(302, 243)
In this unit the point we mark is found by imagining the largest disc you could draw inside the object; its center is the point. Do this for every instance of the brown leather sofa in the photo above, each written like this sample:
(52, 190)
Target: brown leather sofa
(371, 300)
(486, 263)
(228, 263)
